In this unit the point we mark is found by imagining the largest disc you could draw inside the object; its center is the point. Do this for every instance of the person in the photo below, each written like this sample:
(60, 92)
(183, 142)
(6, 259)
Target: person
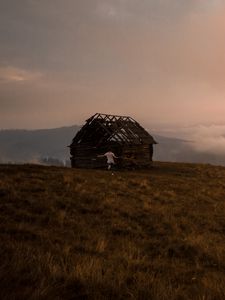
(110, 158)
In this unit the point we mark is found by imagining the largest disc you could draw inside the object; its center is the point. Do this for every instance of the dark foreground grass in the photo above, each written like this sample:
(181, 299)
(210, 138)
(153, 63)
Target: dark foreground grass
(85, 234)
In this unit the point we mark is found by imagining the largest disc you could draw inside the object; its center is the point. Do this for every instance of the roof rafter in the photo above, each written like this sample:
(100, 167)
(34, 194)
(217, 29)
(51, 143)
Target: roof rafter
(103, 128)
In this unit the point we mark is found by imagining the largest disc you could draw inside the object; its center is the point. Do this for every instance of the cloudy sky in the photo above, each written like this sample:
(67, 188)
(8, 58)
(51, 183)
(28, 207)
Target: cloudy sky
(160, 61)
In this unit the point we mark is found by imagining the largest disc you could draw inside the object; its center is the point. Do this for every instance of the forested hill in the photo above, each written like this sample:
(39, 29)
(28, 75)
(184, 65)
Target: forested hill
(32, 145)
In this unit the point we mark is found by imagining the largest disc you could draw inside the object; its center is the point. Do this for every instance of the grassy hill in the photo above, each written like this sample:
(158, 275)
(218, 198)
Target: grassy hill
(87, 234)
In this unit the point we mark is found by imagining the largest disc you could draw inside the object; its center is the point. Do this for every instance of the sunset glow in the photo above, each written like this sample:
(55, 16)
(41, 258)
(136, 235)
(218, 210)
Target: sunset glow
(158, 61)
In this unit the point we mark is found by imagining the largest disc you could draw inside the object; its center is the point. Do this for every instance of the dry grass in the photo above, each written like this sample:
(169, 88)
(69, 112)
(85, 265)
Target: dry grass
(85, 234)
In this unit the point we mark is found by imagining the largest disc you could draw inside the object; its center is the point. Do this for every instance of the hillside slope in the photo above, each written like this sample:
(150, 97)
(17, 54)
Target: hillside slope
(32, 145)
(22, 146)
(86, 234)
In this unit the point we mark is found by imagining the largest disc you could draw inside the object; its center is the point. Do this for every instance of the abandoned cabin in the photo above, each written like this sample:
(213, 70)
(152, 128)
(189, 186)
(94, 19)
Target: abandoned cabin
(119, 134)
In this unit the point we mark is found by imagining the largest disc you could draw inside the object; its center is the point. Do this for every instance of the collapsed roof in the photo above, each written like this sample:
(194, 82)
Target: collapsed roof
(103, 129)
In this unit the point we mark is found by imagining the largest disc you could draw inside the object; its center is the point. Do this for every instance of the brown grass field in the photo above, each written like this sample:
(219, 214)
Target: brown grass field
(87, 234)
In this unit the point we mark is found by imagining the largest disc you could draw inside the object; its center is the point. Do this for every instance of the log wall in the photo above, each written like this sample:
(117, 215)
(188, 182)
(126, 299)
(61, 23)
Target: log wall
(132, 156)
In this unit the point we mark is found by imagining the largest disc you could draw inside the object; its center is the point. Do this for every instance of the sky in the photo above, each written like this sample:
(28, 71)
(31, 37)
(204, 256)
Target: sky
(159, 61)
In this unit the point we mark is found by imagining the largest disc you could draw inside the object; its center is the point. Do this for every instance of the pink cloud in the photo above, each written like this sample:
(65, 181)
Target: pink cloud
(10, 74)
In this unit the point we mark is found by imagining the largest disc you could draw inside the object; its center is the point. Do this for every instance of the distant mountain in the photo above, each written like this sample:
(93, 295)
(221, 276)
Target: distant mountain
(32, 145)
(179, 150)
(19, 146)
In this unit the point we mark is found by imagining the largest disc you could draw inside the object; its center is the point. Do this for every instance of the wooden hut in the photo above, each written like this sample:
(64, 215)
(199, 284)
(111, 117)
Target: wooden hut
(120, 134)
